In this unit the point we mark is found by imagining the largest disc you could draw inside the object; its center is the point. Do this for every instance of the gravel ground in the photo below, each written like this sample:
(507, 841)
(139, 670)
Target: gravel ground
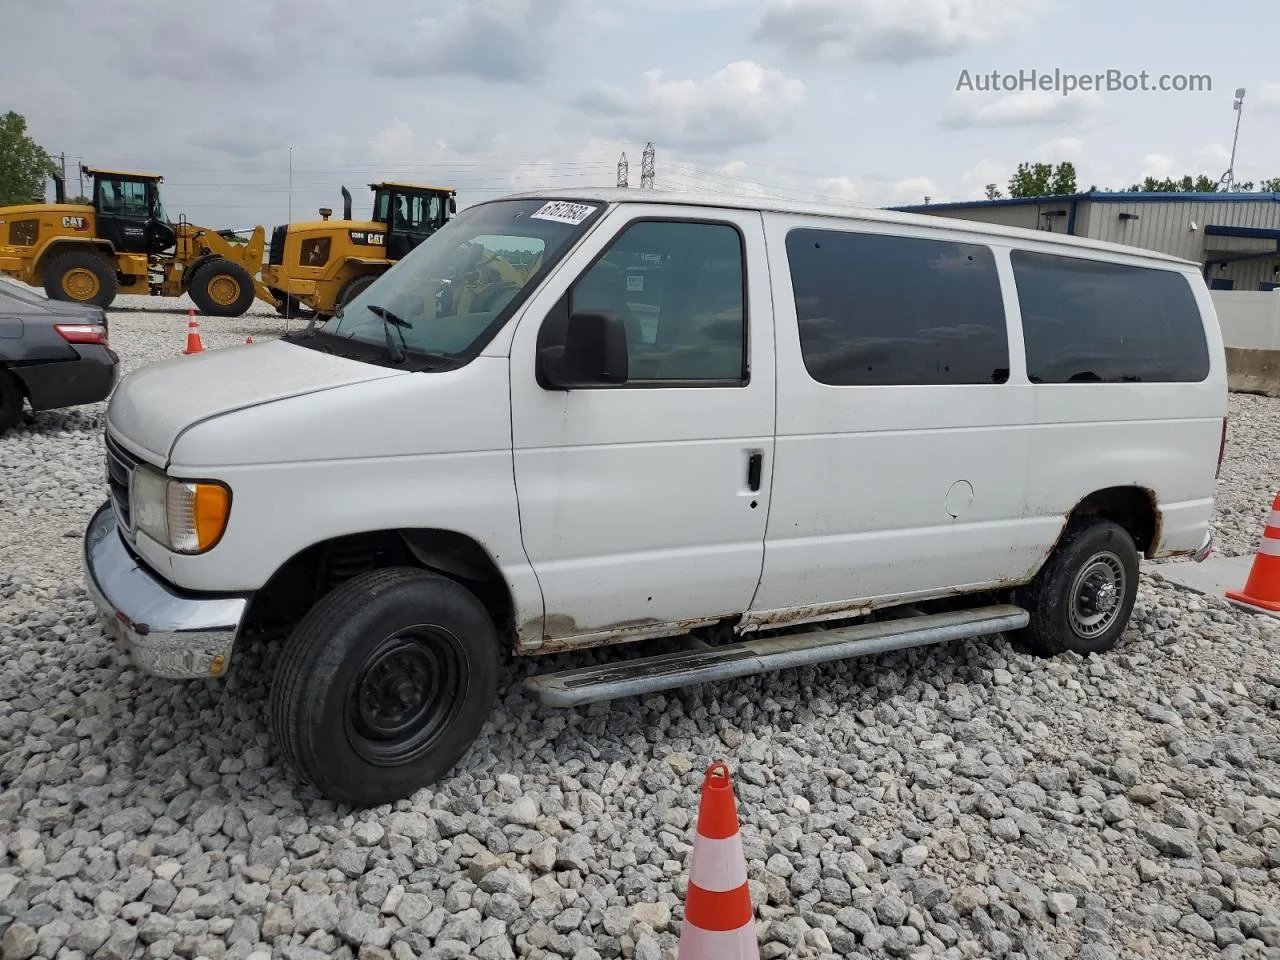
(951, 802)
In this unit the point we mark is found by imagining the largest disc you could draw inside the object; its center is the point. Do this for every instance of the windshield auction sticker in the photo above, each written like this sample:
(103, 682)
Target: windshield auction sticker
(562, 212)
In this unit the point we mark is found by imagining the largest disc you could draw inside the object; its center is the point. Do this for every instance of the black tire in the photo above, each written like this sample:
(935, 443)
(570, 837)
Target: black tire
(393, 632)
(353, 288)
(1083, 596)
(222, 288)
(62, 271)
(10, 401)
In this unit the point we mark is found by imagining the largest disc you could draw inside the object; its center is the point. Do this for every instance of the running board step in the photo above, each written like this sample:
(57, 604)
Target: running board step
(629, 678)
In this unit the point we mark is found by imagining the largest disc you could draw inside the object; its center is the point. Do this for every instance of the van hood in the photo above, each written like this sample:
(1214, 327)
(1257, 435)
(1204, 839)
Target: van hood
(152, 406)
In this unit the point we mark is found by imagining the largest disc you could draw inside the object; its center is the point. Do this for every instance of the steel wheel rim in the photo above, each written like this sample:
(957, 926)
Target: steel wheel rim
(80, 283)
(1097, 594)
(405, 694)
(223, 290)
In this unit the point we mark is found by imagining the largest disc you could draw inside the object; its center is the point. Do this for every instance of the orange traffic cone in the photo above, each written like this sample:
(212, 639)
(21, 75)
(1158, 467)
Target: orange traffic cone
(718, 920)
(193, 334)
(1261, 593)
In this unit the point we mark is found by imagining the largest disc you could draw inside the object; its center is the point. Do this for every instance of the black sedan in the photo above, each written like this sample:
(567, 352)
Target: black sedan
(52, 354)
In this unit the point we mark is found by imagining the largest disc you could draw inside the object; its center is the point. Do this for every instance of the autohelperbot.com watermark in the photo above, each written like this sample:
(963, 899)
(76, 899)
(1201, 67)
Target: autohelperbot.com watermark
(1066, 83)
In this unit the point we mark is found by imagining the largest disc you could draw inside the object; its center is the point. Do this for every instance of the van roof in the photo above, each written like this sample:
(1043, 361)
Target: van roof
(840, 211)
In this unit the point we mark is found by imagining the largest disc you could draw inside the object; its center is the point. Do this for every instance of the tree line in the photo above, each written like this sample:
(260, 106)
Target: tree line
(1047, 180)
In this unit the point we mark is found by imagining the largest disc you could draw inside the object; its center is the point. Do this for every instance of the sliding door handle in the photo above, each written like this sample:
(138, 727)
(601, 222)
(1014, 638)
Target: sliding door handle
(754, 465)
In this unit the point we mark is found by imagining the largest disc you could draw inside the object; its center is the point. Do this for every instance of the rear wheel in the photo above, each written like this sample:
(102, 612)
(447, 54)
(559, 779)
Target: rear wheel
(81, 276)
(222, 288)
(10, 401)
(1082, 598)
(384, 685)
(353, 288)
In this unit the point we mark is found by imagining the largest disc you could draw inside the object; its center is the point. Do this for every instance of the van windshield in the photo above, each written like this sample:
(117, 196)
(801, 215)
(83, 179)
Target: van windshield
(444, 301)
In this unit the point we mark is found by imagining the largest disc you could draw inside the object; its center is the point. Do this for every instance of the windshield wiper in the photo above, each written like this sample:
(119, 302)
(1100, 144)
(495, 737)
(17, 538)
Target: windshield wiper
(390, 320)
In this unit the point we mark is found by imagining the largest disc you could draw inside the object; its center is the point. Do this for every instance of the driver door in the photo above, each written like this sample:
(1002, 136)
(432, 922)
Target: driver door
(643, 504)
(124, 212)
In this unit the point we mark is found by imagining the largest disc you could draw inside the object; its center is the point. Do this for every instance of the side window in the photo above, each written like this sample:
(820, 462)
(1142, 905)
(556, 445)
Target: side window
(678, 287)
(880, 310)
(123, 198)
(1086, 321)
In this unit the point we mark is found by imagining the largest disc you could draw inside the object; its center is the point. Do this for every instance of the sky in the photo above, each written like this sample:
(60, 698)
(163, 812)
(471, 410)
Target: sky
(258, 111)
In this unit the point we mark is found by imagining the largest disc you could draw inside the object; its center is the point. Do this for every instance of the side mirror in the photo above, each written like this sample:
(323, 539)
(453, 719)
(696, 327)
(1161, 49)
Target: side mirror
(453, 206)
(594, 354)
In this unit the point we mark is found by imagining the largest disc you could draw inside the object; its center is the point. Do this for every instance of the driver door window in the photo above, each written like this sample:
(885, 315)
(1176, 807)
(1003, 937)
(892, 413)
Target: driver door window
(678, 287)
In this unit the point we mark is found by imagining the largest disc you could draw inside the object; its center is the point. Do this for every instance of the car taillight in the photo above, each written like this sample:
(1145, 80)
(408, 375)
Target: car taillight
(82, 332)
(1222, 448)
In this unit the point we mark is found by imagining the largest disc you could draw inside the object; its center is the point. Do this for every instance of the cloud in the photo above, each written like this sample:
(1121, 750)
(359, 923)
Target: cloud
(1158, 165)
(1267, 99)
(976, 178)
(741, 103)
(1021, 109)
(1063, 148)
(1215, 155)
(894, 31)
(503, 40)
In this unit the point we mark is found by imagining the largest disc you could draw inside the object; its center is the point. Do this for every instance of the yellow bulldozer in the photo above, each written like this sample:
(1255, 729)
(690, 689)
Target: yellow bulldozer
(122, 242)
(319, 265)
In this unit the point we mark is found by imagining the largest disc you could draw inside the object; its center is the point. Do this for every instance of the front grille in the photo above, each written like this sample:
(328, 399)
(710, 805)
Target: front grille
(275, 253)
(120, 466)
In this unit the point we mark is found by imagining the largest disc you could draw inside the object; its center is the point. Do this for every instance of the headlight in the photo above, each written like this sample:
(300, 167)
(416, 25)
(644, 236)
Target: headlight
(186, 516)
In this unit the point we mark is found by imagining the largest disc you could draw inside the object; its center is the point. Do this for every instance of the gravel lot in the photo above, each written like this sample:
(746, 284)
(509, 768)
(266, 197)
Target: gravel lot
(952, 802)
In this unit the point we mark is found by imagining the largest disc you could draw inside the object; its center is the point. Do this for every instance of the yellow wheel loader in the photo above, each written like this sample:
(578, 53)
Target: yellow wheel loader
(122, 242)
(319, 265)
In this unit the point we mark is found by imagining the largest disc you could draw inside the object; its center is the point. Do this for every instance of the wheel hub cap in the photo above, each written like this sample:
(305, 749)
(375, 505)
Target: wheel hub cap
(223, 291)
(80, 284)
(405, 694)
(1095, 598)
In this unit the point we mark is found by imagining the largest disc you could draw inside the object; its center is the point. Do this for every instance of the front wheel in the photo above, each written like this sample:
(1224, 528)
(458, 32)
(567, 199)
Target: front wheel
(1082, 598)
(384, 685)
(353, 288)
(222, 288)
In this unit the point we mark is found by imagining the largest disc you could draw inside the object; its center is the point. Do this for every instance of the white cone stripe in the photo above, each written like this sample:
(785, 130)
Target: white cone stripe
(699, 944)
(718, 865)
(1275, 519)
(1269, 546)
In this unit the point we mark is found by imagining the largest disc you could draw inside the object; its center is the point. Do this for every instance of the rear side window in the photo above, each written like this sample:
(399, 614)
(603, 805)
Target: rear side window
(1085, 321)
(878, 310)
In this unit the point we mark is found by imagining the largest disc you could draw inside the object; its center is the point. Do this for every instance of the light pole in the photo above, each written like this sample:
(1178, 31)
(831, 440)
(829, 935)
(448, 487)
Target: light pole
(1229, 178)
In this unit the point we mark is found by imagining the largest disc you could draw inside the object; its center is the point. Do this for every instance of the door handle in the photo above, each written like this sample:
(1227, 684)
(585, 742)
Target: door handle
(754, 465)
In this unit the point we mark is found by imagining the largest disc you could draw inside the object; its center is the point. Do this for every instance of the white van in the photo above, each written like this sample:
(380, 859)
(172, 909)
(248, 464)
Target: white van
(580, 418)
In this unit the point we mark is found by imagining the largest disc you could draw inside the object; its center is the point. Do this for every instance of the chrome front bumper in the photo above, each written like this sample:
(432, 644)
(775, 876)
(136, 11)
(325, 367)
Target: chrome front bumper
(1205, 549)
(165, 633)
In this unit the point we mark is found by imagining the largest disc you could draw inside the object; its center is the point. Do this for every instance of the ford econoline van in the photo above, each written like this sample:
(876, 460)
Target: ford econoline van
(776, 435)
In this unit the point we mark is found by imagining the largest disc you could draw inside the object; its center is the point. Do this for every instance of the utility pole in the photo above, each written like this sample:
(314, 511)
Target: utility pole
(81, 193)
(646, 167)
(1229, 178)
(622, 171)
(63, 157)
(290, 220)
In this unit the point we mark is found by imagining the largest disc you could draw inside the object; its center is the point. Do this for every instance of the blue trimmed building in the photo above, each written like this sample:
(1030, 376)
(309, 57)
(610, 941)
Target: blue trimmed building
(1234, 236)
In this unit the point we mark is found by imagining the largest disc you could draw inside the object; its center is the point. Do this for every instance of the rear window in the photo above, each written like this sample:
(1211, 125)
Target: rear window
(1086, 321)
(879, 310)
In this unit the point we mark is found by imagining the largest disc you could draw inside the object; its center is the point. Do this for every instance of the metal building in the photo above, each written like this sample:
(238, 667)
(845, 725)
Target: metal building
(1235, 236)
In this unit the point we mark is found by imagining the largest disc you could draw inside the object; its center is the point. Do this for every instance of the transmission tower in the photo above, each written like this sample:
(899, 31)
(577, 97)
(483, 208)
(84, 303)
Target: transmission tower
(622, 171)
(646, 167)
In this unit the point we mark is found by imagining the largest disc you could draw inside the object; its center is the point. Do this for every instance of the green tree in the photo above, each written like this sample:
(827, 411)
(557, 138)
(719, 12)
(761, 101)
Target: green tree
(1042, 180)
(1186, 184)
(1064, 179)
(24, 165)
(1271, 185)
